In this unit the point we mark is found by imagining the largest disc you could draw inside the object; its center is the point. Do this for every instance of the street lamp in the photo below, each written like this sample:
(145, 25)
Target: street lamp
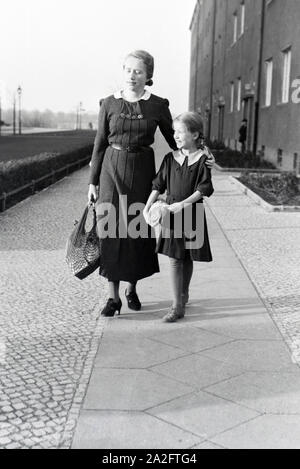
(14, 114)
(80, 114)
(19, 90)
(79, 110)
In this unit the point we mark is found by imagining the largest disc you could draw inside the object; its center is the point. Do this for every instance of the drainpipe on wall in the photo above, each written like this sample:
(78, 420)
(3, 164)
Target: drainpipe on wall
(259, 77)
(197, 53)
(212, 69)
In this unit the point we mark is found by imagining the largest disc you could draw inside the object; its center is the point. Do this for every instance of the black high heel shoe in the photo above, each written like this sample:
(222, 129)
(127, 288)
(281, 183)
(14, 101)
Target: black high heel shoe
(133, 301)
(111, 307)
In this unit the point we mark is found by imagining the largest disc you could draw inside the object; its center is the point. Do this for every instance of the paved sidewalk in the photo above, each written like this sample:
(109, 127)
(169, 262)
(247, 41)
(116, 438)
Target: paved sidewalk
(268, 245)
(222, 377)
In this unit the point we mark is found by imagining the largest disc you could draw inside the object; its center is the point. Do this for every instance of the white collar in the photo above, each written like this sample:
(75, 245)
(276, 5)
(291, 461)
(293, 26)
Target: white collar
(145, 97)
(180, 157)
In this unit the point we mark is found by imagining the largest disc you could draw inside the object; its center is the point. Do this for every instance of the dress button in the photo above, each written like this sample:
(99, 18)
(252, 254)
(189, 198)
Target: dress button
(140, 116)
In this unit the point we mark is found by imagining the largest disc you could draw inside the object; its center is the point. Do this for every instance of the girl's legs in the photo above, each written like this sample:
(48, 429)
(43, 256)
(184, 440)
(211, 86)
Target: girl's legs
(177, 281)
(177, 310)
(187, 275)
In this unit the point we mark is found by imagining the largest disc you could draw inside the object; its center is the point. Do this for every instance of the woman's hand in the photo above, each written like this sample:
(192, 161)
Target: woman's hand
(210, 161)
(92, 194)
(176, 207)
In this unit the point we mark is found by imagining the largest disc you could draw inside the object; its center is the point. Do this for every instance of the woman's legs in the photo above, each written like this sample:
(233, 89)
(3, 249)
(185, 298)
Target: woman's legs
(131, 287)
(113, 288)
(113, 303)
(132, 298)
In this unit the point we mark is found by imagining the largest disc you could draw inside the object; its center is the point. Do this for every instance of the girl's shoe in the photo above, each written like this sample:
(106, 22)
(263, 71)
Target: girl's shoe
(111, 307)
(175, 313)
(133, 301)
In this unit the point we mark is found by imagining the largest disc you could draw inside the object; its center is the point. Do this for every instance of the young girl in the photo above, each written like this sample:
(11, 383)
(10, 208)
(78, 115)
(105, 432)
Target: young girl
(187, 179)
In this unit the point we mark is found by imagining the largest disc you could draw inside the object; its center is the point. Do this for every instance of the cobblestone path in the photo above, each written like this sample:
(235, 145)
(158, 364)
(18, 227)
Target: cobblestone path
(267, 244)
(49, 320)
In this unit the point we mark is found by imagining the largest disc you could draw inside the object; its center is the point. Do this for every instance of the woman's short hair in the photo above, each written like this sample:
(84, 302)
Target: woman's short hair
(194, 123)
(148, 61)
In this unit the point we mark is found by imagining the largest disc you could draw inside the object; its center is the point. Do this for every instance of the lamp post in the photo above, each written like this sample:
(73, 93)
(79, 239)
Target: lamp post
(19, 90)
(80, 114)
(14, 114)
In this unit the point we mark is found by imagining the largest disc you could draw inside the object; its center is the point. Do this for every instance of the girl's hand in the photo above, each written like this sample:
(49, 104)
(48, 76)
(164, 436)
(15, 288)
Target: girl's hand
(92, 194)
(176, 207)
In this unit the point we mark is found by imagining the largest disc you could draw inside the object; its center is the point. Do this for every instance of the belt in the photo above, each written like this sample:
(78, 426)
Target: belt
(116, 146)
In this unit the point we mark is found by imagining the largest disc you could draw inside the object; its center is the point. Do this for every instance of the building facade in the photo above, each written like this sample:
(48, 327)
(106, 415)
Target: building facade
(245, 64)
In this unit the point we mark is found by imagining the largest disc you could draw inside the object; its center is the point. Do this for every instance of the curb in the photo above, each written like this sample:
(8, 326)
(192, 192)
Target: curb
(258, 200)
(247, 170)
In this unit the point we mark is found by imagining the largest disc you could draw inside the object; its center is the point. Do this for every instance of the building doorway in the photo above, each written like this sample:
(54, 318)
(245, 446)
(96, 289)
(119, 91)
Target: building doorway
(248, 105)
(221, 123)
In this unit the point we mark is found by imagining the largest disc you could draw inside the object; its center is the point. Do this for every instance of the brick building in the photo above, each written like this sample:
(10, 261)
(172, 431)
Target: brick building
(245, 63)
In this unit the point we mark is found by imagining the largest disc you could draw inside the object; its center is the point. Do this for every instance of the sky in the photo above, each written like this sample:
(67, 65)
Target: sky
(62, 52)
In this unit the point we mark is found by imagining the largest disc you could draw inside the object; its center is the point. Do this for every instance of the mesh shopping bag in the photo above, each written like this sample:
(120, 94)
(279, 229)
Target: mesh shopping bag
(83, 247)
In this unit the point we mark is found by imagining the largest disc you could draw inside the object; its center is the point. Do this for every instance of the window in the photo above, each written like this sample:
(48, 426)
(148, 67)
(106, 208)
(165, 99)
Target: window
(269, 81)
(239, 94)
(286, 76)
(235, 27)
(231, 96)
(242, 18)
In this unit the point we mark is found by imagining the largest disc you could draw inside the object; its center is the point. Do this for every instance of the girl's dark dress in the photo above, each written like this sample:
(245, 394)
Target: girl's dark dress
(180, 183)
(128, 172)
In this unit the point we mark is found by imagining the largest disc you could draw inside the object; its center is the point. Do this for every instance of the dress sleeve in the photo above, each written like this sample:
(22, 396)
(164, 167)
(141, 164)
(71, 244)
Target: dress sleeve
(100, 145)
(204, 182)
(165, 124)
(159, 183)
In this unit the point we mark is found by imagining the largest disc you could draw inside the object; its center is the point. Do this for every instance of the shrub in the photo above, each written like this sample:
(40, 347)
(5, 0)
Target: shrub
(279, 188)
(16, 173)
(215, 144)
(235, 159)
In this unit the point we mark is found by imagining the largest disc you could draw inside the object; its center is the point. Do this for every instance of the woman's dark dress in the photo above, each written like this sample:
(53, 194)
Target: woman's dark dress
(128, 173)
(180, 183)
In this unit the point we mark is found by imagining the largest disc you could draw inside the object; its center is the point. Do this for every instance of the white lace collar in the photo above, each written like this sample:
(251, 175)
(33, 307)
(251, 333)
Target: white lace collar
(145, 97)
(193, 158)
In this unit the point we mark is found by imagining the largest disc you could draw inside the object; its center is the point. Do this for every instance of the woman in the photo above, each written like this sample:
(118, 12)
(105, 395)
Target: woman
(123, 166)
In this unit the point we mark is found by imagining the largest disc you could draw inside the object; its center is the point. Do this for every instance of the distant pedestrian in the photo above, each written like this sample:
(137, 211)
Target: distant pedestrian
(243, 135)
(187, 179)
